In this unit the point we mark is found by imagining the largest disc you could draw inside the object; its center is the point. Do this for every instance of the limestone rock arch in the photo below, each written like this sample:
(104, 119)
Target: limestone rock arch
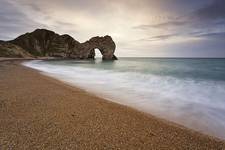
(104, 44)
(43, 42)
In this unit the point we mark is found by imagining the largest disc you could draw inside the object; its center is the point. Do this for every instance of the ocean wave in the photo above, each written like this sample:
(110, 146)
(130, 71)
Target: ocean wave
(198, 104)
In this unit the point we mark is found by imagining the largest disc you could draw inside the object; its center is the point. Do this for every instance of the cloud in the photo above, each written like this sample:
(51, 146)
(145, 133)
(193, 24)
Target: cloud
(126, 21)
(220, 35)
(212, 11)
(168, 24)
(33, 6)
(67, 24)
(205, 22)
(13, 22)
(65, 27)
(207, 12)
(159, 37)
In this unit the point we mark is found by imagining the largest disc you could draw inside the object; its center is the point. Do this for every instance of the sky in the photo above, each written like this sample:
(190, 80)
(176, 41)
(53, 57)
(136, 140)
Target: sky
(140, 28)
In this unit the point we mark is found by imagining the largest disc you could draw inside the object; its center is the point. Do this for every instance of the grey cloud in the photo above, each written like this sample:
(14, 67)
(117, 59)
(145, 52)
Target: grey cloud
(200, 34)
(212, 35)
(179, 18)
(171, 23)
(4, 37)
(87, 6)
(207, 21)
(13, 22)
(67, 25)
(211, 14)
(159, 37)
(215, 10)
(33, 7)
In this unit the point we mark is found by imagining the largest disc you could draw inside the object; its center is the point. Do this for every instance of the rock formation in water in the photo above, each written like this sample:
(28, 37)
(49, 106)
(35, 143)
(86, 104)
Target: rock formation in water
(45, 43)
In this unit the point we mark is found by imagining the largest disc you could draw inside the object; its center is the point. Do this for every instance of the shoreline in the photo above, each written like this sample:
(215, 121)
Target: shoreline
(24, 59)
(75, 118)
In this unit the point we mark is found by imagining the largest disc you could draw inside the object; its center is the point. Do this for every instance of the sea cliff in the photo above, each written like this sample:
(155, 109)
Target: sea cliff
(46, 43)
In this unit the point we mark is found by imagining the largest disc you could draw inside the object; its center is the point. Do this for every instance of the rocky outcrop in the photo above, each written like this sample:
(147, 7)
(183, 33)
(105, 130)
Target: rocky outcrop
(104, 44)
(42, 42)
(11, 50)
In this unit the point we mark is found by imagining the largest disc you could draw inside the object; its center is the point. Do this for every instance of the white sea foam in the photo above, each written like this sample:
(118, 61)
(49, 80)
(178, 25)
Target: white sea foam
(196, 104)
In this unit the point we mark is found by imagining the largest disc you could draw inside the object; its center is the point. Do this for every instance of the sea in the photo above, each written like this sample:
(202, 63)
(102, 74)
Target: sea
(187, 91)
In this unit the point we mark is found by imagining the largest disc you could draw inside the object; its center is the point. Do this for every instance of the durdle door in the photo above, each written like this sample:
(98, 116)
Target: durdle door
(46, 43)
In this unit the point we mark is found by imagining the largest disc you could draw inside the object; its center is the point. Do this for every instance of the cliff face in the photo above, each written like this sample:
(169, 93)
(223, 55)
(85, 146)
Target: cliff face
(42, 42)
(11, 50)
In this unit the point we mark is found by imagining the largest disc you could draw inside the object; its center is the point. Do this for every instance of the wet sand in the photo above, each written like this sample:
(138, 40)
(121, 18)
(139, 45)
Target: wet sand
(38, 112)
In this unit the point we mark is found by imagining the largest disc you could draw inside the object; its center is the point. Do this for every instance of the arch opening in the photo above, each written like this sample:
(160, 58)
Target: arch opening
(98, 53)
